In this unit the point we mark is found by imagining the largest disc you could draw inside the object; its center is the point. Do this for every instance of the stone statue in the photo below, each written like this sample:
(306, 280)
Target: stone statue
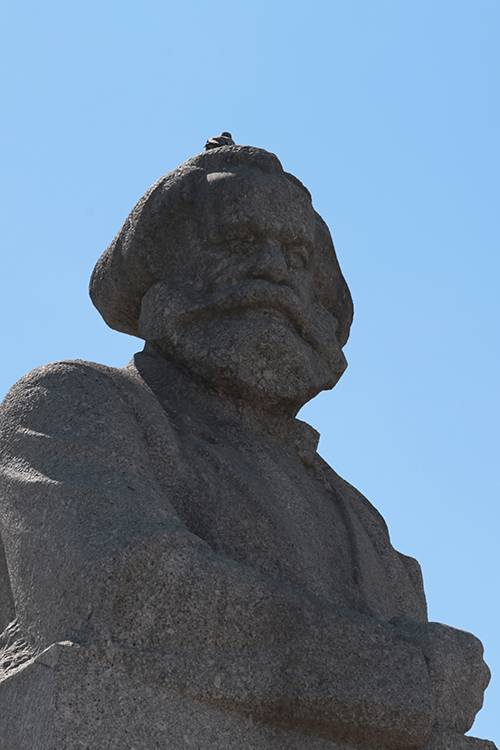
(180, 567)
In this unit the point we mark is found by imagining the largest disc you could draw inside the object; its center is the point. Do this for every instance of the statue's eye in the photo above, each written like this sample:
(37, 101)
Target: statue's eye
(297, 256)
(240, 243)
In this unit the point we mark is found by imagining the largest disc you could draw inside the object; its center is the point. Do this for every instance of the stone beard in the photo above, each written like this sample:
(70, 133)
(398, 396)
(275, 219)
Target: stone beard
(239, 306)
(179, 568)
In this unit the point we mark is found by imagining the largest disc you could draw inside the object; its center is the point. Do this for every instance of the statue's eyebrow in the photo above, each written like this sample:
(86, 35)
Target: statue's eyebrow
(233, 228)
(223, 231)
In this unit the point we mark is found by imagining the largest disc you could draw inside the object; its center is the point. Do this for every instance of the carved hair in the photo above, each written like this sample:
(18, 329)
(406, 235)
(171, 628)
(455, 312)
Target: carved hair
(157, 225)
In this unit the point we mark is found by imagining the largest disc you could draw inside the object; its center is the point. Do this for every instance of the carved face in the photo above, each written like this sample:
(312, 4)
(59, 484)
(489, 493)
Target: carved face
(239, 306)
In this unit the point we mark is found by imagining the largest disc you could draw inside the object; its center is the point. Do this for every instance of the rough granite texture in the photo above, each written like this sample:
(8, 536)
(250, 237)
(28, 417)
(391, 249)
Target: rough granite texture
(180, 568)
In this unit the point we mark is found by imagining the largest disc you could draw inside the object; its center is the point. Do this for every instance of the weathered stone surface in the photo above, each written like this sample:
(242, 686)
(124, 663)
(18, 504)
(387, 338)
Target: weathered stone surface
(76, 700)
(446, 739)
(183, 568)
(69, 699)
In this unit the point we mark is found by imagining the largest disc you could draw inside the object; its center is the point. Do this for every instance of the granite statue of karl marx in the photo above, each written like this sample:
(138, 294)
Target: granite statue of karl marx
(180, 567)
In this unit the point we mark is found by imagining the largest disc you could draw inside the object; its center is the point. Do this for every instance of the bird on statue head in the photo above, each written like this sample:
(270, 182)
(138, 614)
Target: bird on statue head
(224, 139)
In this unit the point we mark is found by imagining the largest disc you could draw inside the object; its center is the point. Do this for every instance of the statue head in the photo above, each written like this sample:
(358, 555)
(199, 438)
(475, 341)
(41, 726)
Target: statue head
(225, 268)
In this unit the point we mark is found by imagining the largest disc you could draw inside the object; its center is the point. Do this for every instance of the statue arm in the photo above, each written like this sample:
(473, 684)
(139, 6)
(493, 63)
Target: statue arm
(97, 554)
(458, 673)
(221, 632)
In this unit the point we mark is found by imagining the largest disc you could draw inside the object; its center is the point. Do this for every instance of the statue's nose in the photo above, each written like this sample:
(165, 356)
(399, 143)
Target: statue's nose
(271, 264)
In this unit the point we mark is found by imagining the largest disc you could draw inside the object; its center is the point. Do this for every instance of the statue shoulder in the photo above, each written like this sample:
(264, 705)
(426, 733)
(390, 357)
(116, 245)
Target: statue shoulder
(61, 374)
(80, 397)
(61, 385)
(73, 407)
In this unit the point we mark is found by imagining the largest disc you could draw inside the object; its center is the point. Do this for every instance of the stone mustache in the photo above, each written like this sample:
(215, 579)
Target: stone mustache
(180, 568)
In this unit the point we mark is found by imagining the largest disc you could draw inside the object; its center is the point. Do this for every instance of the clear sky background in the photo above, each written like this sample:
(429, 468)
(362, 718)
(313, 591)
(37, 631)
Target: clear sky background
(389, 112)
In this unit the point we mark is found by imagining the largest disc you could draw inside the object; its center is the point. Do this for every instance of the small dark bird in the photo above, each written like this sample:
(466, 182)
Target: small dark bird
(224, 139)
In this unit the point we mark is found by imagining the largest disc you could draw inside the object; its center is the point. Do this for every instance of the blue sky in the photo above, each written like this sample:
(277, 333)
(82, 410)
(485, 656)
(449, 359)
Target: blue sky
(389, 112)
